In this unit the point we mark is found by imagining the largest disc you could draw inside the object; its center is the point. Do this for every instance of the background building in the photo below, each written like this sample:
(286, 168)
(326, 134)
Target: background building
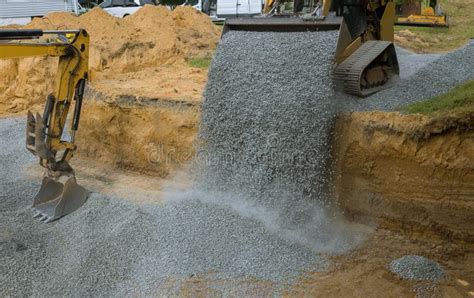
(21, 11)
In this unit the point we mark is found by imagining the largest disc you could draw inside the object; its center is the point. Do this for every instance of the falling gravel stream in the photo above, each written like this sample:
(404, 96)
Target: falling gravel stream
(265, 140)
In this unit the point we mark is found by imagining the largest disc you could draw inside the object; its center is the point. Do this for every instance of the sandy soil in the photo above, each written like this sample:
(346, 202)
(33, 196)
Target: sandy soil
(177, 82)
(411, 170)
(143, 55)
(153, 139)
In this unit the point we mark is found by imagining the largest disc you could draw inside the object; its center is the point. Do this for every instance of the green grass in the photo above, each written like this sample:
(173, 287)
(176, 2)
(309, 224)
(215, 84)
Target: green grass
(428, 30)
(200, 62)
(457, 100)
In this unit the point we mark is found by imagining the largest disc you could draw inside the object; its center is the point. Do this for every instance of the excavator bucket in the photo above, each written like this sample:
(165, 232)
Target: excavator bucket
(58, 197)
(59, 193)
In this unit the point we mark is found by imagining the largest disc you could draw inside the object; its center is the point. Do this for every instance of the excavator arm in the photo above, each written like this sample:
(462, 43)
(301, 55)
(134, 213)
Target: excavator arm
(45, 134)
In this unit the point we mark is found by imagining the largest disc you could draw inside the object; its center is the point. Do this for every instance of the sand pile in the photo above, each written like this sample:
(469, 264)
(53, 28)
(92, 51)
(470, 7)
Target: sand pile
(150, 38)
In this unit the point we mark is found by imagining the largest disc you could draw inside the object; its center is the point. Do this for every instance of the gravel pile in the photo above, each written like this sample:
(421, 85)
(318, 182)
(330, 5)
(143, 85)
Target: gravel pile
(410, 63)
(111, 246)
(115, 247)
(433, 79)
(417, 268)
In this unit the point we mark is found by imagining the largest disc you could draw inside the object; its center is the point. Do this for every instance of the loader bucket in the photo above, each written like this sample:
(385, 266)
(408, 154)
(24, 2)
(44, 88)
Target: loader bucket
(423, 21)
(282, 24)
(58, 197)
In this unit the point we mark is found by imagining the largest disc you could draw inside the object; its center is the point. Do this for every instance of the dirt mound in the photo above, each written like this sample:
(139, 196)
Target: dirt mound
(150, 38)
(406, 39)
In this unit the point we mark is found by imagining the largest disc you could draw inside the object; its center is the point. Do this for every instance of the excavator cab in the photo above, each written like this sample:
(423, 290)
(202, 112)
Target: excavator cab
(59, 193)
(365, 60)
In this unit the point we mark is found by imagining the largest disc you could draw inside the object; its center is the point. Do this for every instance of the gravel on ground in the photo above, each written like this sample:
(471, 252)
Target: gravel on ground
(111, 246)
(410, 63)
(435, 78)
(419, 268)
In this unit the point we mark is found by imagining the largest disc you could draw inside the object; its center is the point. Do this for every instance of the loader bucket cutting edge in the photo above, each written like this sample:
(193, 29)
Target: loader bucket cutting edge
(58, 197)
(281, 24)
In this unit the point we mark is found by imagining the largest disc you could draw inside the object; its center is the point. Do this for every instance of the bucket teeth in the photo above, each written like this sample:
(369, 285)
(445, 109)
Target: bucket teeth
(45, 218)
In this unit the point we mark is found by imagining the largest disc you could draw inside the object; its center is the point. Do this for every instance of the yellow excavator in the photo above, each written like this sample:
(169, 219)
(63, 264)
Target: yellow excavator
(365, 60)
(46, 137)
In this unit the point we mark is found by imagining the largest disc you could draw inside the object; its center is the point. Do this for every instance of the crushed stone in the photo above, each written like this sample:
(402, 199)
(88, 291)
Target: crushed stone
(435, 78)
(265, 134)
(111, 246)
(415, 267)
(410, 63)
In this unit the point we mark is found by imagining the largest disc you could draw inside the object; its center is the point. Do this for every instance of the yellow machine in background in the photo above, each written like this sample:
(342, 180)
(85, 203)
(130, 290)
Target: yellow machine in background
(365, 60)
(430, 15)
(45, 134)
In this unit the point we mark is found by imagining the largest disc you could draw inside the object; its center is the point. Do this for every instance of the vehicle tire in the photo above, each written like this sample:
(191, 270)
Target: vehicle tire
(126, 15)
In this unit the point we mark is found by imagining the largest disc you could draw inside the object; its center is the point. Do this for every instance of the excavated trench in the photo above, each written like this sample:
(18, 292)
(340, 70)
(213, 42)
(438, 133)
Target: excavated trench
(411, 172)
